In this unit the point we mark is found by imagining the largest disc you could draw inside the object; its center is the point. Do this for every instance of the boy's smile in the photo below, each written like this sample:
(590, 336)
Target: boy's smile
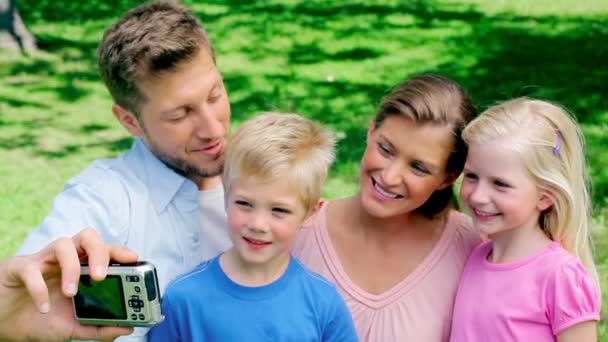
(263, 217)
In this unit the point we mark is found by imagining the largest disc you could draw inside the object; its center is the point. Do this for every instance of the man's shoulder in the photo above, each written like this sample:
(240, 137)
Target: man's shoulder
(105, 174)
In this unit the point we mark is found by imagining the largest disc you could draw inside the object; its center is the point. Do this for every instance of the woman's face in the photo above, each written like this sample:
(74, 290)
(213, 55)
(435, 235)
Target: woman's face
(403, 164)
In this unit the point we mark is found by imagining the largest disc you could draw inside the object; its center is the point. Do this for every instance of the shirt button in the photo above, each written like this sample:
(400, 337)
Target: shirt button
(195, 238)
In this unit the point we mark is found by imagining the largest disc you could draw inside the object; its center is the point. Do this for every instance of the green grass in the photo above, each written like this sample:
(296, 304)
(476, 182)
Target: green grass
(331, 61)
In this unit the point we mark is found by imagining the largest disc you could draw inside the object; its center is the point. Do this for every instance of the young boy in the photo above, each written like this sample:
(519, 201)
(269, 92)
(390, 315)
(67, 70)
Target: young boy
(275, 168)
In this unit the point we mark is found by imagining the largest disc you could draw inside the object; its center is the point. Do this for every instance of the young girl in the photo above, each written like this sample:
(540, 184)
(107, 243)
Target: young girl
(526, 188)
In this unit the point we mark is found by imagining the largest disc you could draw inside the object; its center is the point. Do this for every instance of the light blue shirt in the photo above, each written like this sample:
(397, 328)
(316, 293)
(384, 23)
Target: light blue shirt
(137, 201)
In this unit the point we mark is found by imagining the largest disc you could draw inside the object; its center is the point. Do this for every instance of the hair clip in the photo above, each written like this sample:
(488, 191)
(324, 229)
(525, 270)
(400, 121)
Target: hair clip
(557, 147)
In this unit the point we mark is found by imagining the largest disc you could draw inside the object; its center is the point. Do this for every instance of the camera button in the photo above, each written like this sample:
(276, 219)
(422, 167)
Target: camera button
(134, 317)
(137, 289)
(142, 317)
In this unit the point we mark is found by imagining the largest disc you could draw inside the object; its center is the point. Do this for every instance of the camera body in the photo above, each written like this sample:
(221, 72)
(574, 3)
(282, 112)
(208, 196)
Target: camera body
(128, 296)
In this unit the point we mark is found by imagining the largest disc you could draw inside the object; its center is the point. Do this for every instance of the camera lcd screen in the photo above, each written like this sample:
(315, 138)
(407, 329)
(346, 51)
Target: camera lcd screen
(100, 300)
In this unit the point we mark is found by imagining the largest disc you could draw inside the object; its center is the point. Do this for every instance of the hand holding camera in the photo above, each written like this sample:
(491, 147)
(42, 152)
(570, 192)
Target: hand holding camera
(35, 289)
(128, 296)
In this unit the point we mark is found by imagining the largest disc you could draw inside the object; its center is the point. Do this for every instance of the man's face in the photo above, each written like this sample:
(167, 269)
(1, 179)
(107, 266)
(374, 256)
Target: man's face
(185, 120)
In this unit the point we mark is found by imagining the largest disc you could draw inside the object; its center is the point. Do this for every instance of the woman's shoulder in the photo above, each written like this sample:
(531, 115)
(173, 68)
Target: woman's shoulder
(464, 232)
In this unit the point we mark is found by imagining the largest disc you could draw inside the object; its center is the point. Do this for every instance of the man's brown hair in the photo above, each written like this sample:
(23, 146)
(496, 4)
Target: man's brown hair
(148, 41)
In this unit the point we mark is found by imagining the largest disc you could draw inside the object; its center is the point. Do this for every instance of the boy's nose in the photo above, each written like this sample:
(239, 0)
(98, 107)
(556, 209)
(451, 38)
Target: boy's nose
(258, 223)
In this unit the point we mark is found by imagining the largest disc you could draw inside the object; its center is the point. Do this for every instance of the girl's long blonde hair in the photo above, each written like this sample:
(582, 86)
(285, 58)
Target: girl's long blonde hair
(552, 147)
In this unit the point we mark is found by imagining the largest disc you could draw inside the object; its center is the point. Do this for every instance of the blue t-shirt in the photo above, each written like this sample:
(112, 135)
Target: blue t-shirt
(206, 305)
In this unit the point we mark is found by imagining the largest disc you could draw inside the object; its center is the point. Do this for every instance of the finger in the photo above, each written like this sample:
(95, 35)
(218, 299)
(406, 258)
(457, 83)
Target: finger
(110, 333)
(89, 243)
(87, 332)
(66, 255)
(27, 271)
(122, 254)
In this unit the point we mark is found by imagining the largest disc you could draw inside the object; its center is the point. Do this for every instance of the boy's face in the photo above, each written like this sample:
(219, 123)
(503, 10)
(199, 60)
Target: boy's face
(263, 218)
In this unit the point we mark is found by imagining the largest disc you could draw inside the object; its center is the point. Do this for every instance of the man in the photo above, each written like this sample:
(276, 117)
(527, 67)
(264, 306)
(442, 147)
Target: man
(163, 198)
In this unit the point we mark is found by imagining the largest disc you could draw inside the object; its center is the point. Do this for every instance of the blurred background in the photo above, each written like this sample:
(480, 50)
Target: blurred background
(329, 60)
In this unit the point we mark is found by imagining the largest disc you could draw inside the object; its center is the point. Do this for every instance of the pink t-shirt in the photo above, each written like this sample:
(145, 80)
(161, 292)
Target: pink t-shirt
(419, 308)
(532, 299)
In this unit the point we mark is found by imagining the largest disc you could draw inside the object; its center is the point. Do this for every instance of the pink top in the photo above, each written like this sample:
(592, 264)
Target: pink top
(419, 308)
(532, 299)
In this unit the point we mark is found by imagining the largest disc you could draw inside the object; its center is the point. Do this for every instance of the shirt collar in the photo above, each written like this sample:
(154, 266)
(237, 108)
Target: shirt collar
(161, 181)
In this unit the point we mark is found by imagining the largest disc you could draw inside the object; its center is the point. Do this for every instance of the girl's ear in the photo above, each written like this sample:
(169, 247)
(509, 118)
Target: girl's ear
(545, 201)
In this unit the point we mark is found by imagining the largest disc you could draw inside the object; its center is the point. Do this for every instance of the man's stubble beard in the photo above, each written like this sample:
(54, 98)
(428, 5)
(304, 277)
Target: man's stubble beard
(183, 167)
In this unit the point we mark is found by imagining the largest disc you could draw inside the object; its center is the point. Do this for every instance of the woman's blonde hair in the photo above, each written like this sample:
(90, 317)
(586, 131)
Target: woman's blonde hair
(276, 146)
(552, 147)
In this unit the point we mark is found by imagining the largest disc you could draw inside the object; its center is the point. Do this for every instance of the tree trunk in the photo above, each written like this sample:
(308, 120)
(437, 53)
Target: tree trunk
(13, 33)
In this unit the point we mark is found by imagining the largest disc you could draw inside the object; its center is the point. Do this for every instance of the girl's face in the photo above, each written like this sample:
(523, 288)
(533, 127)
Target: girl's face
(403, 164)
(498, 190)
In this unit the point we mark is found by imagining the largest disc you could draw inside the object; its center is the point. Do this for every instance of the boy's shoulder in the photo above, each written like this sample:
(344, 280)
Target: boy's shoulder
(315, 281)
(192, 280)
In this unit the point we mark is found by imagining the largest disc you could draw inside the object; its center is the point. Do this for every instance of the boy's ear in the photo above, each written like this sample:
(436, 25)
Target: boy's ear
(128, 120)
(313, 210)
(450, 178)
(545, 201)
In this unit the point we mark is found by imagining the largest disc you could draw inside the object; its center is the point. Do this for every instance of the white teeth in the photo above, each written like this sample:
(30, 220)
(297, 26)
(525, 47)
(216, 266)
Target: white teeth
(383, 192)
(481, 213)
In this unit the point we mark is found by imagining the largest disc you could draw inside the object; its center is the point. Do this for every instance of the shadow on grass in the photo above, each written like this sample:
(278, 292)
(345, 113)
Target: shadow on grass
(569, 67)
(70, 11)
(563, 59)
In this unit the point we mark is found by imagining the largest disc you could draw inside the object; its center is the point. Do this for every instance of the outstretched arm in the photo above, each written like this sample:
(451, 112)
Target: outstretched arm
(36, 289)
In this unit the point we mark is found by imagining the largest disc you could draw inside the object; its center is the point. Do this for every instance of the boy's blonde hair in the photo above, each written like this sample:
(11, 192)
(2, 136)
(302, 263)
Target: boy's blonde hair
(276, 146)
(552, 147)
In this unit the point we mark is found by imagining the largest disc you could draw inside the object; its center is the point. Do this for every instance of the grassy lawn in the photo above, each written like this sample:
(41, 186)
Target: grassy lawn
(332, 61)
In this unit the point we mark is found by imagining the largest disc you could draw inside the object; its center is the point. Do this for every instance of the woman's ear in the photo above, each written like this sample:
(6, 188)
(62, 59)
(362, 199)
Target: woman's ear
(370, 129)
(450, 178)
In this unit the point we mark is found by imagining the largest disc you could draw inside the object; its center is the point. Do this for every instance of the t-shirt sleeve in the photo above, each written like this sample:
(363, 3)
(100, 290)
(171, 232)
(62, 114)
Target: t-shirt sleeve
(340, 326)
(167, 330)
(572, 296)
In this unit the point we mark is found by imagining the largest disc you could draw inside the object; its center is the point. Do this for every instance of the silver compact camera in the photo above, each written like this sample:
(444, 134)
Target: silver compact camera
(128, 296)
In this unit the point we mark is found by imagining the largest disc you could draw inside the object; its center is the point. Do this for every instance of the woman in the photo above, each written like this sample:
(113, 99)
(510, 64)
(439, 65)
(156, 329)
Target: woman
(396, 250)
